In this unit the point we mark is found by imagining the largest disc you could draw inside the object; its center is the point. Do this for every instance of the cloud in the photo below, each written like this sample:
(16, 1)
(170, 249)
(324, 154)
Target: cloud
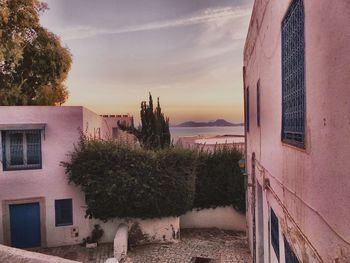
(219, 15)
(222, 36)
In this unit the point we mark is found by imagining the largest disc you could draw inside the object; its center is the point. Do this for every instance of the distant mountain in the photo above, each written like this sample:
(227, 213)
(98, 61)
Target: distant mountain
(217, 123)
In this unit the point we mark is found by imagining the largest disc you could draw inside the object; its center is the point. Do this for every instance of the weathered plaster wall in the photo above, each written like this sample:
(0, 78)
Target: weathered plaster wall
(225, 218)
(313, 183)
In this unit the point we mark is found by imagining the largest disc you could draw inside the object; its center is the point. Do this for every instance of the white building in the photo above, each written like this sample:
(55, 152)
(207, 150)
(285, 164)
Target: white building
(297, 107)
(39, 208)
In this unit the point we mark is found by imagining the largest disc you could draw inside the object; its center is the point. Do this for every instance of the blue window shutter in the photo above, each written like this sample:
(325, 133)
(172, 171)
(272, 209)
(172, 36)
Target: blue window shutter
(275, 234)
(289, 253)
(247, 110)
(63, 212)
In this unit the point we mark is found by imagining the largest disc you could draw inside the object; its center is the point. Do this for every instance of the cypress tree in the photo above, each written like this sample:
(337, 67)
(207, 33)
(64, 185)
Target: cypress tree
(154, 132)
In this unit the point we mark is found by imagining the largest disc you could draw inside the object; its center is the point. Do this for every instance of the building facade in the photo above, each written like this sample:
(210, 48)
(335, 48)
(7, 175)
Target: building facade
(297, 110)
(39, 207)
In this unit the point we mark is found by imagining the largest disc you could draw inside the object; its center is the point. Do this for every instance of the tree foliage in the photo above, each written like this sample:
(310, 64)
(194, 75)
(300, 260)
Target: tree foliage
(154, 131)
(33, 63)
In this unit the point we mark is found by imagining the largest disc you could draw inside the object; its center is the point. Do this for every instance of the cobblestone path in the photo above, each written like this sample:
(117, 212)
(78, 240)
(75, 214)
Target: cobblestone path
(219, 245)
(79, 253)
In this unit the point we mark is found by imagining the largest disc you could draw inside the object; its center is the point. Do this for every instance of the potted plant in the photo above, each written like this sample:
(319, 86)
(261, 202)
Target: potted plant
(96, 234)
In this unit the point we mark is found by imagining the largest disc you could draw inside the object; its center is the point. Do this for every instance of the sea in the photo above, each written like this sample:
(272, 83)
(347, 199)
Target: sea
(177, 132)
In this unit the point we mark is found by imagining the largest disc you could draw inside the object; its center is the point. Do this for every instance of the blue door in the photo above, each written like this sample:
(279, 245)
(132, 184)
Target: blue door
(25, 225)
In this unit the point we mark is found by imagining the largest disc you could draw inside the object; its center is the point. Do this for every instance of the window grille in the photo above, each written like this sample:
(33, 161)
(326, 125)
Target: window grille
(289, 253)
(21, 149)
(275, 234)
(247, 110)
(293, 75)
(258, 103)
(64, 212)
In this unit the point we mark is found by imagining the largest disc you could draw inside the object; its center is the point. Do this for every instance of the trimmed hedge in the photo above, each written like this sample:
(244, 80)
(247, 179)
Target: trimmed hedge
(126, 181)
(219, 181)
(120, 180)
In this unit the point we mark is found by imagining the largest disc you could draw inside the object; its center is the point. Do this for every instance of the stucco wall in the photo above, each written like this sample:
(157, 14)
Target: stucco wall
(62, 125)
(313, 183)
(93, 124)
(225, 218)
(111, 121)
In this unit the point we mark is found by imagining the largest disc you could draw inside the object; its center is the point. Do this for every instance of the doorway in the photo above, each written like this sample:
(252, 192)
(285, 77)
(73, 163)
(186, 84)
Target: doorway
(25, 225)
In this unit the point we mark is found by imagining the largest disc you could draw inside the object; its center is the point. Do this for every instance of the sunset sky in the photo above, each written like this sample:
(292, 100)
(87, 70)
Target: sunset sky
(187, 52)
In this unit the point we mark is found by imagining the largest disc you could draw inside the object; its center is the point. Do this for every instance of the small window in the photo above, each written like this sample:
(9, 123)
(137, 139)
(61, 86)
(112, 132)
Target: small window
(293, 75)
(64, 212)
(21, 149)
(258, 103)
(247, 110)
(289, 253)
(275, 234)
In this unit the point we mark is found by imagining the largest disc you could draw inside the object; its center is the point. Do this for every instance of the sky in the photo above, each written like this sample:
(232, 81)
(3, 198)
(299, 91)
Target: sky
(187, 52)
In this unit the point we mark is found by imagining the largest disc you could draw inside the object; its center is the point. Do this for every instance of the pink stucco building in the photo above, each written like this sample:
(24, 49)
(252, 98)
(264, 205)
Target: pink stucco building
(39, 208)
(297, 109)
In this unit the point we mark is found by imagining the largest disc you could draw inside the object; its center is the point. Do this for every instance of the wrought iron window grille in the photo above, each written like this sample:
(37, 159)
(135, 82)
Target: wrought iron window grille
(21, 149)
(293, 75)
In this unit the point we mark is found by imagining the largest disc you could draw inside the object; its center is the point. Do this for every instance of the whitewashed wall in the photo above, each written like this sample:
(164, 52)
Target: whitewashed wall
(157, 229)
(225, 218)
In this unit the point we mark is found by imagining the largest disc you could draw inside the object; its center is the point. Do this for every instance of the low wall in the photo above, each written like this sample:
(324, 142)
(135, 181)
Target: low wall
(225, 218)
(10, 254)
(156, 230)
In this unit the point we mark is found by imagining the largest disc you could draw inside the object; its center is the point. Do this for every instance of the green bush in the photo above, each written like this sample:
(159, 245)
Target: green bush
(120, 180)
(219, 181)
